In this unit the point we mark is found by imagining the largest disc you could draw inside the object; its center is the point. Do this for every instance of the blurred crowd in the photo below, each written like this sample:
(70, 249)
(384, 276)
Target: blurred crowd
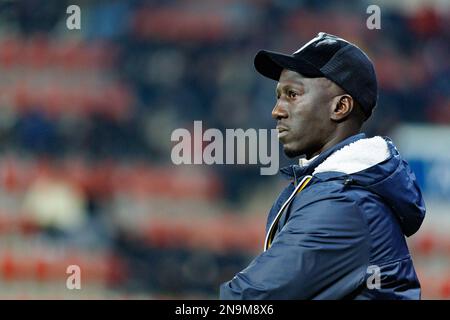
(86, 117)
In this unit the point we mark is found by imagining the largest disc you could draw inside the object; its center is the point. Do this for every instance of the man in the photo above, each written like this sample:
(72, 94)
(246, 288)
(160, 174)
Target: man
(338, 229)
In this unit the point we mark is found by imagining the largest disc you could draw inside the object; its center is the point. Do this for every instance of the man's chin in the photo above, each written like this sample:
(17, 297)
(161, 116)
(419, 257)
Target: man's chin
(291, 153)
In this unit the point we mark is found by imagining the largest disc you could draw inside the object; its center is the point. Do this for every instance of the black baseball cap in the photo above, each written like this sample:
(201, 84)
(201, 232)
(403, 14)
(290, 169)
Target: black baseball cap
(331, 57)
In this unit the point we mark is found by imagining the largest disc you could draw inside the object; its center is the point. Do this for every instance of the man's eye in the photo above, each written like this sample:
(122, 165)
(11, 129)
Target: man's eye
(292, 94)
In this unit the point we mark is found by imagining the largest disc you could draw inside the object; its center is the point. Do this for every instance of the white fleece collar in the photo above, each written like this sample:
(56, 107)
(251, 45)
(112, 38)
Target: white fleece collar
(303, 162)
(357, 156)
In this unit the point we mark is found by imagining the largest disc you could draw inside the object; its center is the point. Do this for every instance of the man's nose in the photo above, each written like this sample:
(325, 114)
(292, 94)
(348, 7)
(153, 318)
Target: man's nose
(279, 111)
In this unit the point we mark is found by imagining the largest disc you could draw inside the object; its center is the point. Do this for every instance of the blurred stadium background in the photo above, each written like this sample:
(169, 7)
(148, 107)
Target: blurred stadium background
(85, 123)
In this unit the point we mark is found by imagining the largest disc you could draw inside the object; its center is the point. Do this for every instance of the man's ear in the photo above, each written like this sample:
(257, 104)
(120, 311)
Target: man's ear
(341, 107)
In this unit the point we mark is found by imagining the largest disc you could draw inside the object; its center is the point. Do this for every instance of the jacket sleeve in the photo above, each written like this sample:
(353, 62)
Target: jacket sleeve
(320, 253)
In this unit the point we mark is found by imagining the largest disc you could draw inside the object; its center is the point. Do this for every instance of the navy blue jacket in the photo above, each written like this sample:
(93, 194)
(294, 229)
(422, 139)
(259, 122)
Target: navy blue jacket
(343, 235)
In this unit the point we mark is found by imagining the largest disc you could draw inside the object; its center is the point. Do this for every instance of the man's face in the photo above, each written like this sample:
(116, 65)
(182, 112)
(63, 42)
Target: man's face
(302, 112)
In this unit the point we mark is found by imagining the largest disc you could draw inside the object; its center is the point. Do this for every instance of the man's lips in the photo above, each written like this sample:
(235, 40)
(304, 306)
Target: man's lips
(282, 131)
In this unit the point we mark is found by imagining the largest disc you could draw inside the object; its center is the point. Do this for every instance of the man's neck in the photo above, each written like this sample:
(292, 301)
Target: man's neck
(335, 139)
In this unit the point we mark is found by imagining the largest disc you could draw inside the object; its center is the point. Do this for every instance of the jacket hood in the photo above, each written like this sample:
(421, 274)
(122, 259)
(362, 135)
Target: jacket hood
(375, 164)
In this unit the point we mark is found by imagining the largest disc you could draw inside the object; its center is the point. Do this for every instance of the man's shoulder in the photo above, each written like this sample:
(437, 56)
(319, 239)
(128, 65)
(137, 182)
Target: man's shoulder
(333, 196)
(318, 188)
(328, 206)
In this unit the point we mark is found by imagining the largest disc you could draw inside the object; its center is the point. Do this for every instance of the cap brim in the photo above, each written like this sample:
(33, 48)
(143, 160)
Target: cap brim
(270, 64)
